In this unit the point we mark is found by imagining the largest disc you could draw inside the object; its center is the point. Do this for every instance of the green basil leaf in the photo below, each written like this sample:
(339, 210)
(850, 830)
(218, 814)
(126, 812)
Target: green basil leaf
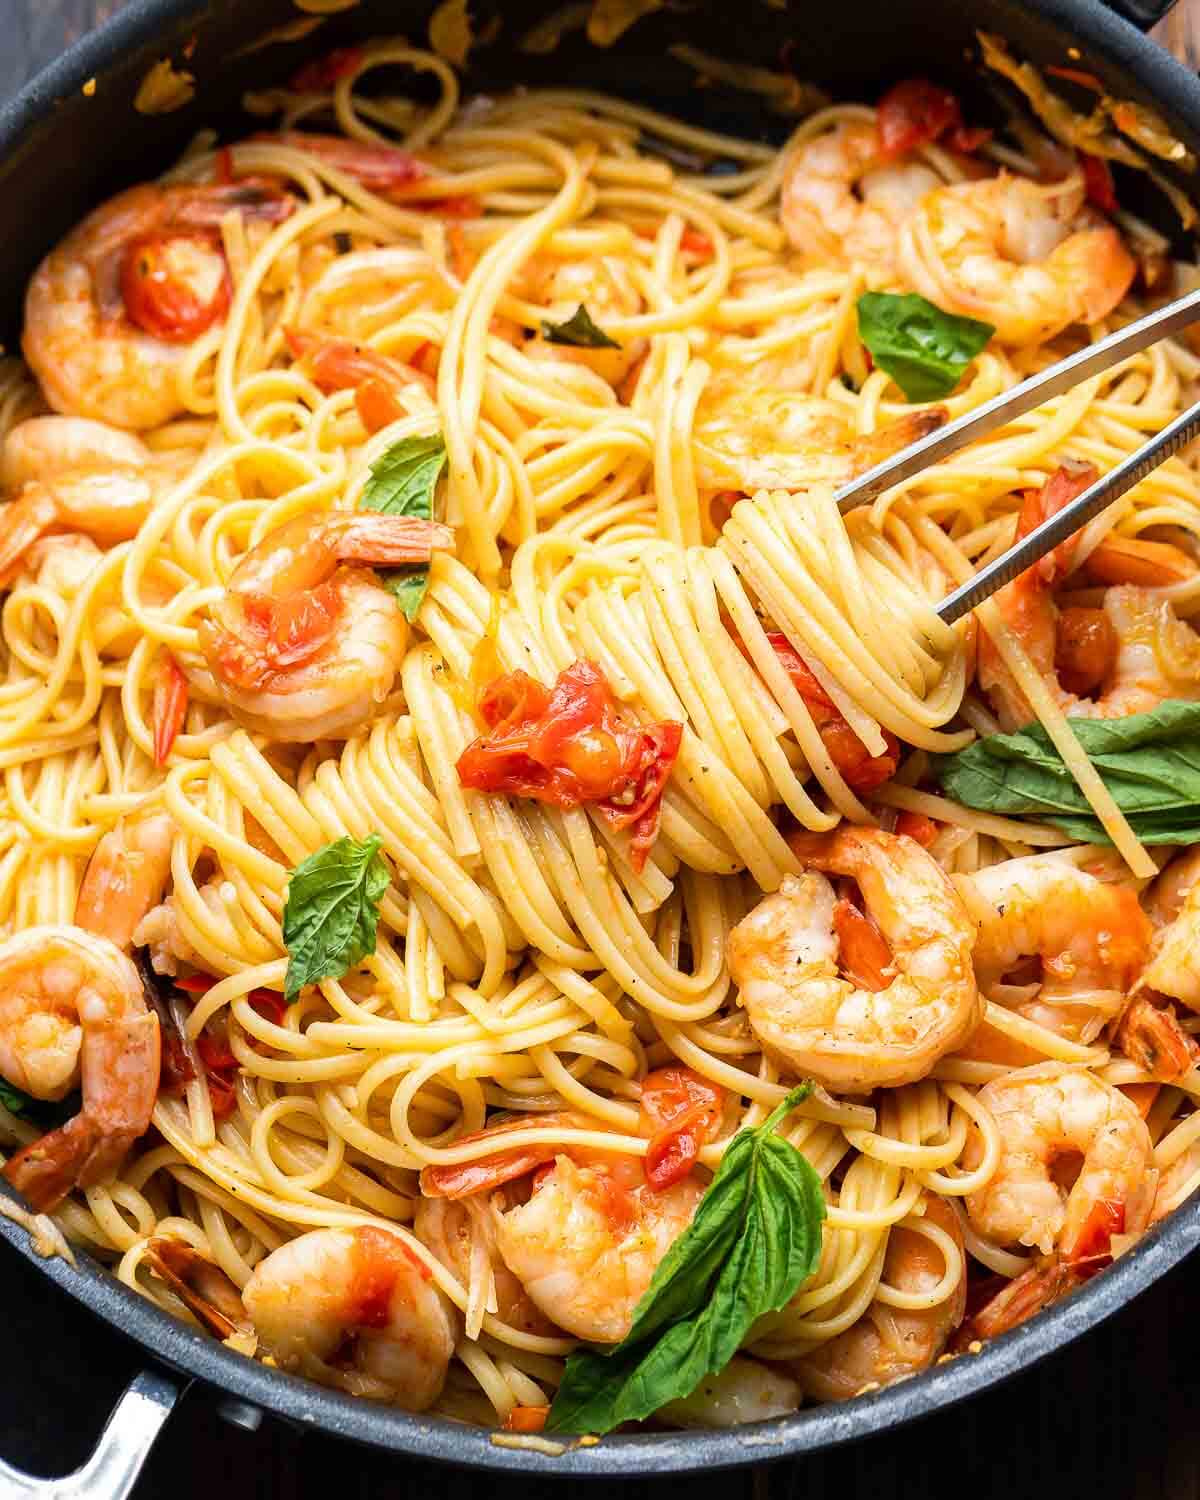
(755, 1238)
(404, 476)
(1149, 762)
(408, 587)
(46, 1114)
(580, 331)
(332, 911)
(13, 1099)
(923, 349)
(403, 481)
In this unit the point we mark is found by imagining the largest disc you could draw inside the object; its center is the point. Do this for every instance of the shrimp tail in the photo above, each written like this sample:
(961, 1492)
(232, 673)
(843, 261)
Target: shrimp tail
(1017, 1302)
(1153, 1038)
(46, 1170)
(874, 447)
(89, 1148)
(390, 541)
(24, 521)
(254, 197)
(204, 1290)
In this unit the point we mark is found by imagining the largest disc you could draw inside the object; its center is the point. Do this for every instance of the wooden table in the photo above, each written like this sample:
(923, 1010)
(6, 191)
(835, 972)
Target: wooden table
(1112, 1418)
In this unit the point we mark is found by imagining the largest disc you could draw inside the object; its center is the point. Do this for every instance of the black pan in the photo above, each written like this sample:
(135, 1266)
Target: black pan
(51, 173)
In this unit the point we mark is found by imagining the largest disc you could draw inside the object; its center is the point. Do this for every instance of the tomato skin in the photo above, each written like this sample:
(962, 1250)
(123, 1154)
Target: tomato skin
(917, 826)
(567, 746)
(697, 242)
(161, 303)
(684, 1112)
(863, 950)
(861, 772)
(1098, 183)
(914, 113)
(320, 75)
(1085, 650)
(526, 1419)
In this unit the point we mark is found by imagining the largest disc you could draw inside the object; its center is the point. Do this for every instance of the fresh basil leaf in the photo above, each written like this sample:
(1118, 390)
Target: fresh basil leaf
(580, 331)
(13, 1099)
(408, 587)
(46, 1114)
(1149, 762)
(403, 477)
(755, 1238)
(332, 911)
(403, 481)
(923, 349)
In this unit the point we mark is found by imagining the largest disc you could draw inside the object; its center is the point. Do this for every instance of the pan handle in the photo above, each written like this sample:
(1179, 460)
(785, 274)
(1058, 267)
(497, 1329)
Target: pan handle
(116, 1461)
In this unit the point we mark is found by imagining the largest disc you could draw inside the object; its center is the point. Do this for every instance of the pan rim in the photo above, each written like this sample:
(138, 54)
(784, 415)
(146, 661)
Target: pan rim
(165, 1340)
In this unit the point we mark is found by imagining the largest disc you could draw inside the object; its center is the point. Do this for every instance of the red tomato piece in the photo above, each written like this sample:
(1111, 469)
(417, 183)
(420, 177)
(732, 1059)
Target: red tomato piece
(194, 984)
(169, 707)
(174, 286)
(1098, 183)
(320, 75)
(683, 1111)
(462, 206)
(917, 826)
(270, 1004)
(696, 241)
(915, 113)
(967, 139)
(863, 950)
(526, 1419)
(567, 745)
(861, 772)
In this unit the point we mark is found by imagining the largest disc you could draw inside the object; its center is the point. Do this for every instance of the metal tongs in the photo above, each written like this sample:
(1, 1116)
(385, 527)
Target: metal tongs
(1013, 403)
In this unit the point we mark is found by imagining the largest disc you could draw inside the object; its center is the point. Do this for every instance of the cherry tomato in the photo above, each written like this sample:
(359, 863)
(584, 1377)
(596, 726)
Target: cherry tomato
(567, 745)
(175, 286)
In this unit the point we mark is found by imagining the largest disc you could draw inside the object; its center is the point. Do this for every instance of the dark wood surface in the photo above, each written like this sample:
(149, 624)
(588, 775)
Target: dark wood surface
(1114, 1417)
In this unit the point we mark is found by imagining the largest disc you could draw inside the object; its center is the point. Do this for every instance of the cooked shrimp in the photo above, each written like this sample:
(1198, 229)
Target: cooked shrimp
(590, 1238)
(1147, 653)
(1165, 899)
(1018, 1300)
(202, 1287)
(355, 1308)
(585, 1237)
(602, 285)
(303, 646)
(41, 448)
(338, 365)
(112, 311)
(73, 475)
(891, 1343)
(746, 1390)
(784, 958)
(1044, 1113)
(72, 1008)
(747, 439)
(1090, 936)
(456, 1231)
(1151, 1036)
(1176, 1183)
(1021, 255)
(842, 201)
(125, 877)
(1175, 968)
(161, 933)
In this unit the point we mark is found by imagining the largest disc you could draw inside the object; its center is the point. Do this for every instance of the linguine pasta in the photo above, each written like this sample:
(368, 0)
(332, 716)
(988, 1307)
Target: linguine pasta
(648, 508)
